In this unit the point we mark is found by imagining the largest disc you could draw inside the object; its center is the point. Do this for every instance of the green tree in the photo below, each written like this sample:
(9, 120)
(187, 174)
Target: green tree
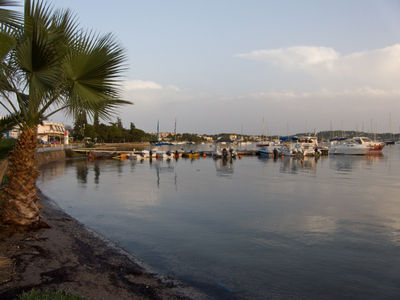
(115, 134)
(79, 126)
(90, 131)
(50, 65)
(119, 123)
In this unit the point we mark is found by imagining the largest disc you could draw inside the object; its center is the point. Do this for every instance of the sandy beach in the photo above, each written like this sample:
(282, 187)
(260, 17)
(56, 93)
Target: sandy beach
(69, 257)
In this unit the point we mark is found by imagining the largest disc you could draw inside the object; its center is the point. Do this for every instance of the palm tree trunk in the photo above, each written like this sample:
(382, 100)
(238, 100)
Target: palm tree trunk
(20, 195)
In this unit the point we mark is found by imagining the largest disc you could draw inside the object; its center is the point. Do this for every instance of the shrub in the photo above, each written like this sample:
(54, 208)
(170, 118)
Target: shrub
(5, 146)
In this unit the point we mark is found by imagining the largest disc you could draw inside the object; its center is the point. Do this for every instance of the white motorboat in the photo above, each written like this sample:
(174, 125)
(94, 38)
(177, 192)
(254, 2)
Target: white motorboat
(373, 146)
(355, 146)
(146, 154)
(309, 145)
(348, 147)
(224, 149)
(300, 146)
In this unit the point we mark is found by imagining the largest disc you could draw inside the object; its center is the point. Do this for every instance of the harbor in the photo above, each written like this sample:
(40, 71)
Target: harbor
(276, 224)
(199, 150)
(294, 146)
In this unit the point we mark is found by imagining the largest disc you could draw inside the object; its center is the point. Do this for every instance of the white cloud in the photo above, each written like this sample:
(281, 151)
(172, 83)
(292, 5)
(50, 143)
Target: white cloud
(293, 57)
(173, 88)
(366, 92)
(378, 69)
(307, 87)
(141, 85)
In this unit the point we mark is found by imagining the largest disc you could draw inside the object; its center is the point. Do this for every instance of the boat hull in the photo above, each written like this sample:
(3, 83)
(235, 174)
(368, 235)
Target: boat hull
(349, 150)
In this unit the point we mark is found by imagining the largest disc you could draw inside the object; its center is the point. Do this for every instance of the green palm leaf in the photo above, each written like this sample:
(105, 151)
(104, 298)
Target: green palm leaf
(93, 68)
(9, 17)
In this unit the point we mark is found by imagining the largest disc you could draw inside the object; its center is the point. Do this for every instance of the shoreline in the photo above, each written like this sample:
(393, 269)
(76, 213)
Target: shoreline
(72, 258)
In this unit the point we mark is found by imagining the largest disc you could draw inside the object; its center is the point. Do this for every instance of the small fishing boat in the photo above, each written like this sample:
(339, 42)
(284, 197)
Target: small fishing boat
(164, 155)
(193, 155)
(267, 149)
(100, 155)
(122, 156)
(146, 154)
(224, 149)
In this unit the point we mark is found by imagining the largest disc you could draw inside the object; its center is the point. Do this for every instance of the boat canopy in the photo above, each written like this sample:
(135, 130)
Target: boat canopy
(292, 138)
(224, 141)
(162, 144)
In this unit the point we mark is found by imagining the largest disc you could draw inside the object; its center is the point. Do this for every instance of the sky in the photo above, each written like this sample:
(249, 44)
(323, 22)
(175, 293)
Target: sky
(227, 65)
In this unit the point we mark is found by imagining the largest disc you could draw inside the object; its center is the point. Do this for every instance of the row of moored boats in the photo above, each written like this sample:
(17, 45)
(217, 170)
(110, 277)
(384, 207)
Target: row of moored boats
(309, 146)
(286, 146)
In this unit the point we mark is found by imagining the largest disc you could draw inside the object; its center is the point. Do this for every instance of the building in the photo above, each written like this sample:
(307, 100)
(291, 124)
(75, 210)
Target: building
(51, 132)
(47, 132)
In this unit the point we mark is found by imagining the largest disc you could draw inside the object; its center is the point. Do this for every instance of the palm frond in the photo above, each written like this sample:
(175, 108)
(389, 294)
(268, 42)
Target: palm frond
(9, 17)
(59, 67)
(93, 69)
(8, 122)
(41, 50)
(7, 40)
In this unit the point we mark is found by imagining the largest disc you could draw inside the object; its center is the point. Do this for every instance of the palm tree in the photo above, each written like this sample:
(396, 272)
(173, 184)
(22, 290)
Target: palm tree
(50, 66)
(8, 17)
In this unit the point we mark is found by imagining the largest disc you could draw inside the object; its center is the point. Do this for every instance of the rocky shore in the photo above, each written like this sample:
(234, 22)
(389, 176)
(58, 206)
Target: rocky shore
(69, 257)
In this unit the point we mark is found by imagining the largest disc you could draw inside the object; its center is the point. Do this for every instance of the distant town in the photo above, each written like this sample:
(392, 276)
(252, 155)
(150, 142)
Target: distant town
(114, 132)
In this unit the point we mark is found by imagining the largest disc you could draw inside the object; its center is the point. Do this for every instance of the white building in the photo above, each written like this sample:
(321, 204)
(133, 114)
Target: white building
(47, 132)
(51, 131)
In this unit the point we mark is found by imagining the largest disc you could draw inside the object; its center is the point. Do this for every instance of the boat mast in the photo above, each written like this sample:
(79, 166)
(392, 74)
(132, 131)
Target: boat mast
(263, 129)
(158, 130)
(175, 130)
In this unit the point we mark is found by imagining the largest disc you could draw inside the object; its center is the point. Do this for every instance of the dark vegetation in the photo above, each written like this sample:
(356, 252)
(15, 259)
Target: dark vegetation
(47, 295)
(6, 144)
(111, 133)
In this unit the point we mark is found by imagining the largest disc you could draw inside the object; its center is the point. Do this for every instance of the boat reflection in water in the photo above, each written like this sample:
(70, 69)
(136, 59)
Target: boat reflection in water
(250, 228)
(346, 163)
(158, 165)
(224, 167)
(295, 165)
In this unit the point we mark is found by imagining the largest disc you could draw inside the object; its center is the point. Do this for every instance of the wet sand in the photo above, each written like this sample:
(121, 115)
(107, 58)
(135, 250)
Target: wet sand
(69, 257)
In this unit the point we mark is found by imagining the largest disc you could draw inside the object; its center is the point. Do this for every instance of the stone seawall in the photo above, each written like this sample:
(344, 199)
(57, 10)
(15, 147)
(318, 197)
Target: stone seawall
(49, 156)
(42, 158)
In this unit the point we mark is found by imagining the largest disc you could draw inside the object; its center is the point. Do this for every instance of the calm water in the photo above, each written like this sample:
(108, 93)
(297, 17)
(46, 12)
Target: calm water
(251, 228)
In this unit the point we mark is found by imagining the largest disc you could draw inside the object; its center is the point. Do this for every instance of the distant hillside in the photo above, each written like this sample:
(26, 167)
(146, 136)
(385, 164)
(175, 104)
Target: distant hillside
(326, 135)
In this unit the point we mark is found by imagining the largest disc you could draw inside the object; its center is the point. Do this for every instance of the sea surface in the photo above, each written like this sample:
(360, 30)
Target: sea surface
(250, 228)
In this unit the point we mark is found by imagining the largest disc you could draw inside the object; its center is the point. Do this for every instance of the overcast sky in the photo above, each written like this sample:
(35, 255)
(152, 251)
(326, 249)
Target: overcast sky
(224, 65)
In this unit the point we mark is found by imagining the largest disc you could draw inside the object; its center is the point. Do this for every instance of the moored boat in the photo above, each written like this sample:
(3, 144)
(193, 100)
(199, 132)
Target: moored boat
(224, 149)
(100, 155)
(355, 146)
(300, 146)
(348, 147)
(268, 149)
(374, 146)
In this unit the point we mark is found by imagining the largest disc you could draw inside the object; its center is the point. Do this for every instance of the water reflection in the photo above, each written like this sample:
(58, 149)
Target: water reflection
(82, 171)
(293, 165)
(160, 168)
(96, 168)
(267, 232)
(347, 163)
(51, 171)
(224, 167)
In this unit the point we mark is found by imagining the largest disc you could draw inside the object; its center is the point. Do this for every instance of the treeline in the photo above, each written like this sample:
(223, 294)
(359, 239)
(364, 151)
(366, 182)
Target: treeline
(326, 135)
(111, 133)
(185, 137)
